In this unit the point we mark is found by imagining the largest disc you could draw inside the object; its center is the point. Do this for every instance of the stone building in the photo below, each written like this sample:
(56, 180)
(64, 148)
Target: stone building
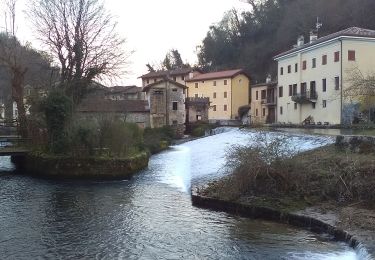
(167, 104)
(197, 109)
(125, 93)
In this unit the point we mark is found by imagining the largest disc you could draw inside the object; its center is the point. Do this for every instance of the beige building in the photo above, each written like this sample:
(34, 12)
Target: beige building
(313, 76)
(178, 75)
(263, 103)
(226, 90)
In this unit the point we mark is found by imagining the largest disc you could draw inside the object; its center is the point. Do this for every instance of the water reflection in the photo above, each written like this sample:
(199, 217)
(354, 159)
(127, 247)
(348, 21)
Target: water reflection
(149, 217)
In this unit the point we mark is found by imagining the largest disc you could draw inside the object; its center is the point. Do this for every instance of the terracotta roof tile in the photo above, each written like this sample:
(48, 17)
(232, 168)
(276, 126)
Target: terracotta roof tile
(164, 73)
(352, 31)
(218, 75)
(147, 88)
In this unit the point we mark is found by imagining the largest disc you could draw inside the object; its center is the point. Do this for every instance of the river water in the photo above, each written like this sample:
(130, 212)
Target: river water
(148, 217)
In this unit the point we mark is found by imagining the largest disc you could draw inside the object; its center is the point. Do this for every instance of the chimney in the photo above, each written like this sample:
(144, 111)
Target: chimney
(300, 41)
(313, 36)
(269, 78)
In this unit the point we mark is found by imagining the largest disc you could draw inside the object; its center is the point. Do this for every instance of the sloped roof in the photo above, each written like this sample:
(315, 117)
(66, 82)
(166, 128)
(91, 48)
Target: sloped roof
(265, 84)
(218, 75)
(352, 31)
(147, 88)
(125, 89)
(163, 73)
(99, 105)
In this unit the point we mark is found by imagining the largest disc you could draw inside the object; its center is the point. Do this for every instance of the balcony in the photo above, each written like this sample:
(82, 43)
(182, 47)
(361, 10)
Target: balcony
(269, 101)
(307, 97)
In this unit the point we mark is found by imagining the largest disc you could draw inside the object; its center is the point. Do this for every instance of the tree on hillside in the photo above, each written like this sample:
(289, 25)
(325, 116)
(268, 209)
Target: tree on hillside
(173, 61)
(82, 37)
(251, 39)
(22, 64)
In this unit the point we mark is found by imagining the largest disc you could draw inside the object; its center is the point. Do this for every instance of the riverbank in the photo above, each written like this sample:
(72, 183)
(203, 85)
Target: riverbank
(330, 185)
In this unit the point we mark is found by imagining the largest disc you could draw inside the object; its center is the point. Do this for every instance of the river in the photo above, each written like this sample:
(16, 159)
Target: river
(148, 217)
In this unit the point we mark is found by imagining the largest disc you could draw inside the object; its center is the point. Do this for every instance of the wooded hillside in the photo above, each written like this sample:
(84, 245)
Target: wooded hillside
(249, 40)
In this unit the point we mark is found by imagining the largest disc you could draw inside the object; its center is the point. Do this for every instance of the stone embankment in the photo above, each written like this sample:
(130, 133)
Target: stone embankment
(358, 144)
(300, 219)
(84, 168)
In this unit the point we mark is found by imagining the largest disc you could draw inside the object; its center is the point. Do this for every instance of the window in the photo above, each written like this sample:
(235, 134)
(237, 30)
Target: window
(351, 55)
(154, 80)
(312, 86)
(214, 82)
(296, 67)
(174, 89)
(174, 78)
(324, 103)
(313, 105)
(281, 110)
(337, 56)
(182, 77)
(295, 106)
(304, 65)
(148, 81)
(174, 122)
(290, 90)
(314, 63)
(324, 60)
(225, 94)
(225, 82)
(256, 112)
(214, 108)
(264, 112)
(256, 95)
(214, 94)
(281, 71)
(289, 69)
(324, 85)
(225, 107)
(196, 95)
(280, 91)
(337, 83)
(175, 105)
(303, 88)
(196, 85)
(263, 94)
(295, 89)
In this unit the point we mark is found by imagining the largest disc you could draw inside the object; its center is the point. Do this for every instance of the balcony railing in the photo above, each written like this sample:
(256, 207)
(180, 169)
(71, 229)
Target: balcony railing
(269, 101)
(307, 97)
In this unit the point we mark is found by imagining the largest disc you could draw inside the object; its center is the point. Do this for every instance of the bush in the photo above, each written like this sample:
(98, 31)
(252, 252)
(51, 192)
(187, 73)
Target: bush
(200, 129)
(157, 139)
(57, 108)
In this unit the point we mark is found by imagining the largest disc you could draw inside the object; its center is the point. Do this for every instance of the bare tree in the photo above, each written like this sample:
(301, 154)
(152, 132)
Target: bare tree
(361, 88)
(82, 36)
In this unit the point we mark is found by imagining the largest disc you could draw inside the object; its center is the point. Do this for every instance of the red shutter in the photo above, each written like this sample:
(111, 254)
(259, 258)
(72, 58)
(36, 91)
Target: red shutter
(351, 55)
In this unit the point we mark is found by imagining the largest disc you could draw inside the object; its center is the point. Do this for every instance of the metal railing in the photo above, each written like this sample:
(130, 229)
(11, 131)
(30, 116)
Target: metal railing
(309, 96)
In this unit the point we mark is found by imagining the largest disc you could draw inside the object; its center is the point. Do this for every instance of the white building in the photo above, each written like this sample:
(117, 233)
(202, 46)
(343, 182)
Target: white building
(313, 75)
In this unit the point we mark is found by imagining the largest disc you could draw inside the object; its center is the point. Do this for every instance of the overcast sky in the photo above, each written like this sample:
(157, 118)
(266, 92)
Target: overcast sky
(152, 27)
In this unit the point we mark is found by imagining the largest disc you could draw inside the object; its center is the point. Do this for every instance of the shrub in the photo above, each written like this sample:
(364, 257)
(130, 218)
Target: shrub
(57, 108)
(156, 139)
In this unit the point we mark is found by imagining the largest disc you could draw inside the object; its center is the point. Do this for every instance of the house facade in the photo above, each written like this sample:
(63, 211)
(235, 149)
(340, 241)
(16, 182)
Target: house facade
(197, 109)
(226, 90)
(313, 77)
(264, 103)
(167, 104)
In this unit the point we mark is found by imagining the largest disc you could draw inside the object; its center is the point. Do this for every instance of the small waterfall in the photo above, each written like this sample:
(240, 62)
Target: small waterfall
(219, 130)
(362, 252)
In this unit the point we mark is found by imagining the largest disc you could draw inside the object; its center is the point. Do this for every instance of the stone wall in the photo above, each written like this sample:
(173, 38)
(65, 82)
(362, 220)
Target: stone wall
(142, 119)
(359, 144)
(84, 168)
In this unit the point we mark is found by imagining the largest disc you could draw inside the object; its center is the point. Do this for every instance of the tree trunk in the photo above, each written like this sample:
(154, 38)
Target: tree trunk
(17, 94)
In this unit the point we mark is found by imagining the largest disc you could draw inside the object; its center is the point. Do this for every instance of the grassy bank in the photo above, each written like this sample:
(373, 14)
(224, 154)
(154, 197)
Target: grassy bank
(325, 174)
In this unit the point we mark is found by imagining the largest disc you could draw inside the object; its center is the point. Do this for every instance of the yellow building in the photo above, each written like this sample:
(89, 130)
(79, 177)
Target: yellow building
(313, 76)
(227, 91)
(263, 103)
